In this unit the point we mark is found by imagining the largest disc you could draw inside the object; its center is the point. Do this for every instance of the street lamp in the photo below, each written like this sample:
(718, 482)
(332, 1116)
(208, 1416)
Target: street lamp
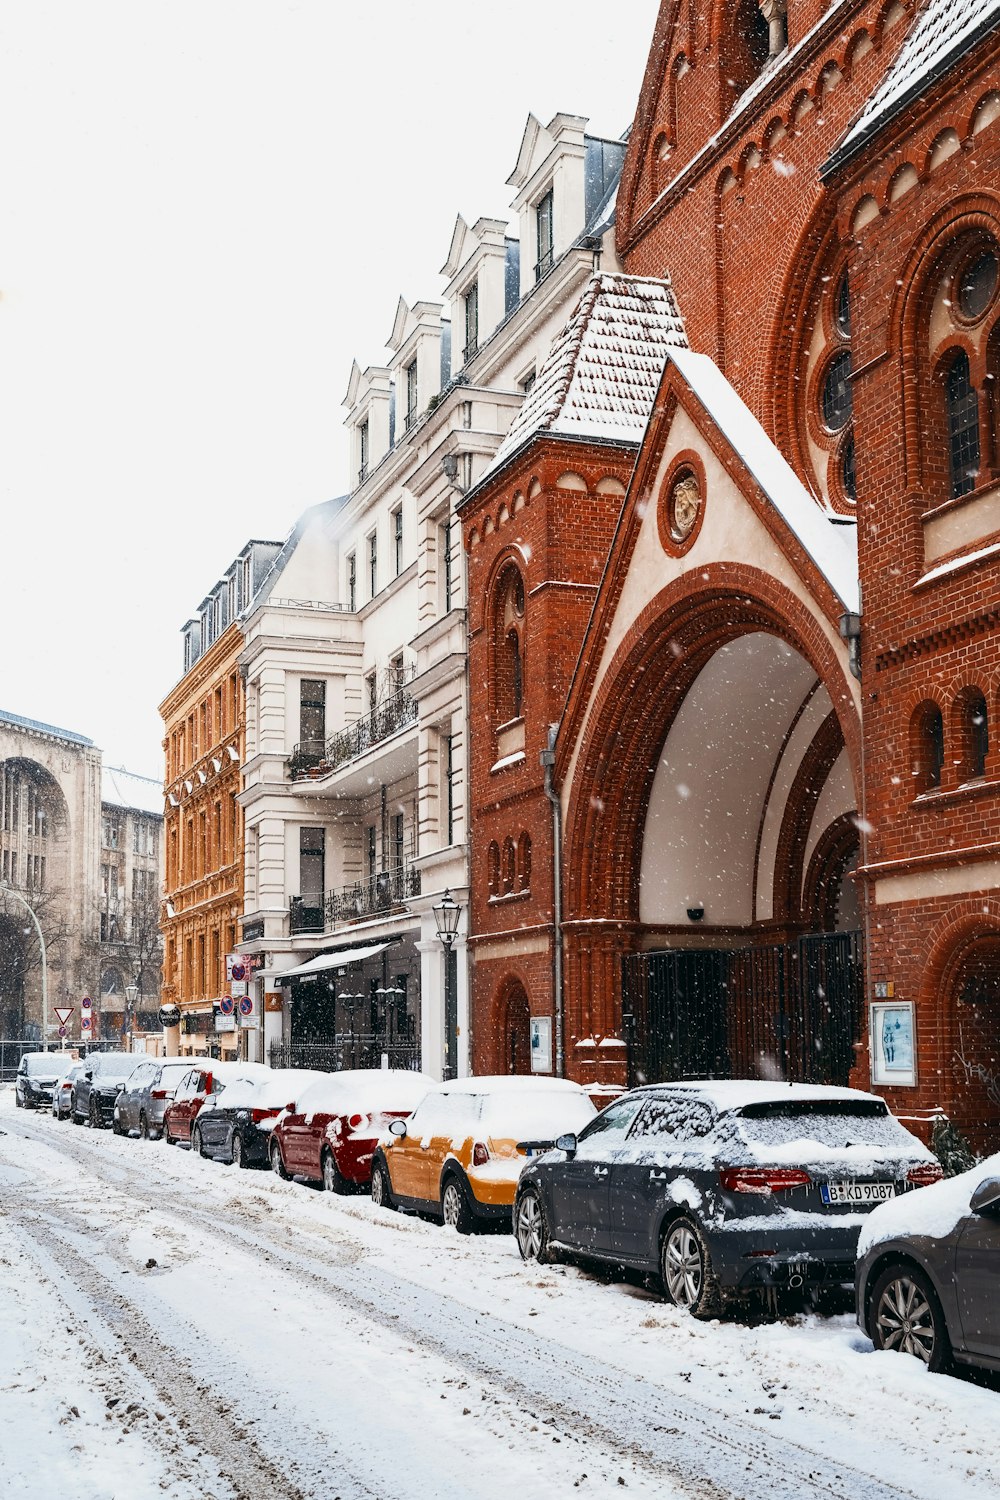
(447, 915)
(9, 890)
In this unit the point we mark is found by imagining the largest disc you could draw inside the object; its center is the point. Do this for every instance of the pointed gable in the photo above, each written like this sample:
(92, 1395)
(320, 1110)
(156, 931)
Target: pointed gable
(601, 376)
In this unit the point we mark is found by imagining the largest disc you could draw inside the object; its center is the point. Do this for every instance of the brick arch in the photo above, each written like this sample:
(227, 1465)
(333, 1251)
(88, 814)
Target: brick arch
(810, 779)
(508, 1017)
(668, 645)
(834, 849)
(819, 246)
(971, 923)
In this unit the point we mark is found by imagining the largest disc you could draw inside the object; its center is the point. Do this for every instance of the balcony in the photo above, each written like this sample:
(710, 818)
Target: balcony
(303, 918)
(312, 759)
(378, 896)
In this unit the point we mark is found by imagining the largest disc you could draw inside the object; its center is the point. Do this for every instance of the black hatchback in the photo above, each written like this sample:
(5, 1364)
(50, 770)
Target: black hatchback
(720, 1188)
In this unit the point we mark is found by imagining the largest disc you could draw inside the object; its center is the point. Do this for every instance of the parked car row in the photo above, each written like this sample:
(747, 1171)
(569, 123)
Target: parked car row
(717, 1189)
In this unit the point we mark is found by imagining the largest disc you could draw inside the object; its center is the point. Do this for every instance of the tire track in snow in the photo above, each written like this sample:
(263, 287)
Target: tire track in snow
(716, 1456)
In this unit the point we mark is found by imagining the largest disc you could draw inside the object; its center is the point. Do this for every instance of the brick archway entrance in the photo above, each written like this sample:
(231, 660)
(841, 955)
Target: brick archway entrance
(711, 824)
(517, 1030)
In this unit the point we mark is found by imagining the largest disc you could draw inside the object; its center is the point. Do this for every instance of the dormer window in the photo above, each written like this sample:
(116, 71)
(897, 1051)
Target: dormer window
(544, 235)
(363, 451)
(471, 322)
(411, 394)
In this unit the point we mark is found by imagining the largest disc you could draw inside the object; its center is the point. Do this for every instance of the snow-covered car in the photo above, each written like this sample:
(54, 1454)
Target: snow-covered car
(330, 1132)
(234, 1124)
(94, 1092)
(929, 1269)
(143, 1101)
(35, 1079)
(203, 1078)
(62, 1094)
(721, 1187)
(461, 1152)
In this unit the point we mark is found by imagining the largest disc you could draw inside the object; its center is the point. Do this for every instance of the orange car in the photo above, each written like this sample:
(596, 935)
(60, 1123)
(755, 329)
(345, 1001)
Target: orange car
(458, 1156)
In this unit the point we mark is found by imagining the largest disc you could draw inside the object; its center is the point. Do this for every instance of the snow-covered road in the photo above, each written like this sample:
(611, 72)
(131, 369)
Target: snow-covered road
(172, 1327)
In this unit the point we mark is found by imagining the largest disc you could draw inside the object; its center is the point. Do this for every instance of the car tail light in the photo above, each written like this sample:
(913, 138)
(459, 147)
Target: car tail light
(263, 1114)
(68, 1086)
(480, 1155)
(355, 1122)
(763, 1180)
(157, 1093)
(925, 1174)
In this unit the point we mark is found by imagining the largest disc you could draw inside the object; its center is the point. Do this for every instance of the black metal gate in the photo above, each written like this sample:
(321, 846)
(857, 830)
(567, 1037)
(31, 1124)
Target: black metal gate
(789, 1010)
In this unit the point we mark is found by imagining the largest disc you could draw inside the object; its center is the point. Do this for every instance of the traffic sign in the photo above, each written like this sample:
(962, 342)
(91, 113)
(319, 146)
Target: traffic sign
(62, 1031)
(227, 1005)
(64, 1012)
(86, 1003)
(85, 1023)
(246, 1006)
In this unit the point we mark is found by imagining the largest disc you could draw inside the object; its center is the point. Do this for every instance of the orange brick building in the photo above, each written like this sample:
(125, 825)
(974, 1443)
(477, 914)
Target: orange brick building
(776, 810)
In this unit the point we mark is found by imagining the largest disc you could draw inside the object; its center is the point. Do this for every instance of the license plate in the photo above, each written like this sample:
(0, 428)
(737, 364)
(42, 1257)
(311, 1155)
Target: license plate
(857, 1192)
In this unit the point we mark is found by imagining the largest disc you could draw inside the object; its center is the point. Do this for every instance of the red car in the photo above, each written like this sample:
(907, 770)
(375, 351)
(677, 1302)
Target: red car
(331, 1132)
(205, 1077)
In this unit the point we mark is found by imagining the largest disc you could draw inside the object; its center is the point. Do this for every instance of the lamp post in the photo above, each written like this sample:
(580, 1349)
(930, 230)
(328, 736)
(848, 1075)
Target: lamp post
(447, 914)
(10, 891)
(352, 1002)
(131, 995)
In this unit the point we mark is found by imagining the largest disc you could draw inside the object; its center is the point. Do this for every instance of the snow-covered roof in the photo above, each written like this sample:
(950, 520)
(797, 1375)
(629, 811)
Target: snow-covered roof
(941, 33)
(508, 1083)
(120, 788)
(39, 728)
(601, 375)
(830, 543)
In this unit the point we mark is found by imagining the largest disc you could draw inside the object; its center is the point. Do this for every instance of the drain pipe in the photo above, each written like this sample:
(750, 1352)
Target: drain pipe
(547, 759)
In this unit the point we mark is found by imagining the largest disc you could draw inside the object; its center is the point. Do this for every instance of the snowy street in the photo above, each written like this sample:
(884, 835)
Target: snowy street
(169, 1326)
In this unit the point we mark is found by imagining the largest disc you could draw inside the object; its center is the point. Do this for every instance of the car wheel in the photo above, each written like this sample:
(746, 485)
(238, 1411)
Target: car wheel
(116, 1126)
(77, 1119)
(904, 1314)
(197, 1144)
(143, 1126)
(455, 1209)
(94, 1115)
(237, 1155)
(18, 1101)
(168, 1137)
(531, 1229)
(333, 1179)
(381, 1186)
(277, 1165)
(686, 1268)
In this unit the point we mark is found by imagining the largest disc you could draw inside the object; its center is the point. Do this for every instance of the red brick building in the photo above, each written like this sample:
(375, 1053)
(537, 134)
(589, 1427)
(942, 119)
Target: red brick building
(758, 845)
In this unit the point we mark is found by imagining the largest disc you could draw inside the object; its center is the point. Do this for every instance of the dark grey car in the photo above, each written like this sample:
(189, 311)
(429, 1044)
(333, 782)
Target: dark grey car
(95, 1091)
(141, 1103)
(720, 1188)
(35, 1080)
(929, 1270)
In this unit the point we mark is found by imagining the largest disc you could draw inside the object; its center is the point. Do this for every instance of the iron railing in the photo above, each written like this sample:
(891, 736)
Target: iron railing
(12, 1050)
(314, 758)
(303, 918)
(369, 898)
(344, 1052)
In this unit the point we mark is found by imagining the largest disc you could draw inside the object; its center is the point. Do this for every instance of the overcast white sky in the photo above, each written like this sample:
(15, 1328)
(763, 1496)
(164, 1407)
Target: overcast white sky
(208, 209)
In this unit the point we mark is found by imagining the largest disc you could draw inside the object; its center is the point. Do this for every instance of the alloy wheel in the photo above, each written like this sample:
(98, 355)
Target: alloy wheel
(379, 1195)
(530, 1227)
(683, 1265)
(237, 1150)
(904, 1318)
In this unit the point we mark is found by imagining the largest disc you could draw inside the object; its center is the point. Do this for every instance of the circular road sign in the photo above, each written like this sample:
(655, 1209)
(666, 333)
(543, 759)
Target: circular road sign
(246, 1006)
(86, 1003)
(238, 969)
(227, 1005)
(62, 1031)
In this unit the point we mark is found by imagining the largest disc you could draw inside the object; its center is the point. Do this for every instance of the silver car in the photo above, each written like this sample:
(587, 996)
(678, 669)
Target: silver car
(62, 1097)
(139, 1107)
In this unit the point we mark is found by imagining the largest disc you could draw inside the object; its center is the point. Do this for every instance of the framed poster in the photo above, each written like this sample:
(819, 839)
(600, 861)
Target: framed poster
(541, 1044)
(893, 1055)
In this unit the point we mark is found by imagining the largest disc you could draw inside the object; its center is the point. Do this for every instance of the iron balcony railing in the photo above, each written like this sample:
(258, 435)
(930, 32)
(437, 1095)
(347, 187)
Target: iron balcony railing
(368, 898)
(360, 1051)
(303, 917)
(315, 758)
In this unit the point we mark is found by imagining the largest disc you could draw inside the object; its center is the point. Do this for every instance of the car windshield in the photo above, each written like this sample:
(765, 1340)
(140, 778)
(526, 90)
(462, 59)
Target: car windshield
(43, 1065)
(172, 1073)
(111, 1065)
(834, 1123)
(536, 1115)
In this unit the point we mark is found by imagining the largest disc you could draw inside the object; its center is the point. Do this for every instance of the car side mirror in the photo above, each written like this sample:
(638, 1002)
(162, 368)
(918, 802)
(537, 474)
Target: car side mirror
(567, 1143)
(398, 1128)
(986, 1198)
(88, 1073)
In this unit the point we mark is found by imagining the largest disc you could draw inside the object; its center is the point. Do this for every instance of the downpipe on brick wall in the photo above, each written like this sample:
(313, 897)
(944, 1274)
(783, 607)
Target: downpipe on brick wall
(548, 760)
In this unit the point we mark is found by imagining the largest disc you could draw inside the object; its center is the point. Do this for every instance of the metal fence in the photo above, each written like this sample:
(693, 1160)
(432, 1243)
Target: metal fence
(12, 1050)
(345, 1052)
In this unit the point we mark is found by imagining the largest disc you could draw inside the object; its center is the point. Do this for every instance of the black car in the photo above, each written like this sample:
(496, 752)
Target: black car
(721, 1188)
(36, 1078)
(95, 1091)
(929, 1270)
(235, 1124)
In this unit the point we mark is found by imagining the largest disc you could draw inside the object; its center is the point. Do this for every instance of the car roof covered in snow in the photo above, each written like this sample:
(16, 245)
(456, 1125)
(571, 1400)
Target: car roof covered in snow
(502, 1083)
(737, 1093)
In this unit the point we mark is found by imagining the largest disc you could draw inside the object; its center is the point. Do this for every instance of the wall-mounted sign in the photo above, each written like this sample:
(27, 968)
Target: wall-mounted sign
(541, 1044)
(170, 1015)
(892, 1044)
(253, 931)
(237, 988)
(225, 1023)
(884, 989)
(273, 1003)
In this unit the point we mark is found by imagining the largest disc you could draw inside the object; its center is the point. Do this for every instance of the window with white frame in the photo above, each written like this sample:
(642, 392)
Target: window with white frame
(411, 393)
(373, 565)
(397, 541)
(471, 321)
(543, 235)
(352, 581)
(363, 452)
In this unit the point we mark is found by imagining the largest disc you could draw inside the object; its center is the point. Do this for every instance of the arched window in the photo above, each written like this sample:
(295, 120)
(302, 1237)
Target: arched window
(524, 862)
(493, 868)
(926, 747)
(973, 734)
(509, 862)
(962, 415)
(508, 649)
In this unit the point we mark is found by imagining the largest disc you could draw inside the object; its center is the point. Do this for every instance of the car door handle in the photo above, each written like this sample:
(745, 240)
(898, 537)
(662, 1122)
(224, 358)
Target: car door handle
(658, 1176)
